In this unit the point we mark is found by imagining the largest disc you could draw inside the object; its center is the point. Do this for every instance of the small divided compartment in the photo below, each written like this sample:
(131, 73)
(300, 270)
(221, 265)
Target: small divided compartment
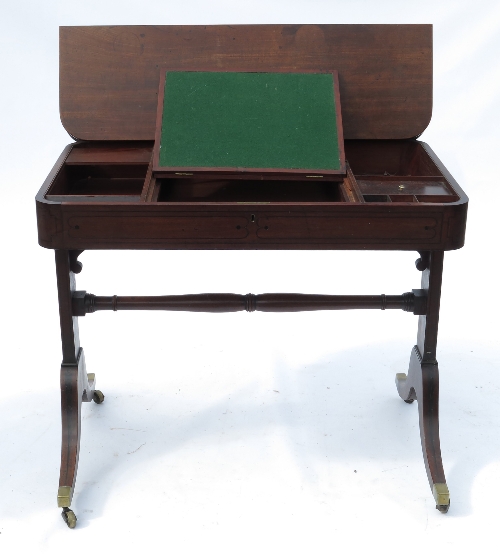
(102, 172)
(396, 171)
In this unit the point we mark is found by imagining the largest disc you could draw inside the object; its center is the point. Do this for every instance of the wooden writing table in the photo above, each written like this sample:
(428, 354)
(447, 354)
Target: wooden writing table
(105, 192)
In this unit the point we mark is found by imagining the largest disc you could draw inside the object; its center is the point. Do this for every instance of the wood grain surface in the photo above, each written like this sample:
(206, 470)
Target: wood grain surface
(109, 75)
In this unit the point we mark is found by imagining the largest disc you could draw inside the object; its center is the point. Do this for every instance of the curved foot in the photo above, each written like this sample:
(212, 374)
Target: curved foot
(77, 386)
(69, 517)
(422, 384)
(98, 397)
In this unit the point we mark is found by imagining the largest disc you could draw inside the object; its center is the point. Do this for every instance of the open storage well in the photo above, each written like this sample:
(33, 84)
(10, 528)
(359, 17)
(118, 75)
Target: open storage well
(396, 171)
(246, 190)
(102, 172)
(379, 171)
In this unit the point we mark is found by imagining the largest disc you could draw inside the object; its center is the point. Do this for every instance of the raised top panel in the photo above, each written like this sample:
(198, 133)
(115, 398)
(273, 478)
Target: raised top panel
(109, 76)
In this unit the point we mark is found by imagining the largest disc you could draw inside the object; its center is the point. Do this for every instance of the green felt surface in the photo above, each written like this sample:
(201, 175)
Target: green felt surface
(249, 120)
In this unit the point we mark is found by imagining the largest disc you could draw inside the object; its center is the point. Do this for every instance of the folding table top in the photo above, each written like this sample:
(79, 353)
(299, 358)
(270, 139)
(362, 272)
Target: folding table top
(109, 75)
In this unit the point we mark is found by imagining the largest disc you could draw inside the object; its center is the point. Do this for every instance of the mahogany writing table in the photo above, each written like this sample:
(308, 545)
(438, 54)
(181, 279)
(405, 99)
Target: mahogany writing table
(105, 191)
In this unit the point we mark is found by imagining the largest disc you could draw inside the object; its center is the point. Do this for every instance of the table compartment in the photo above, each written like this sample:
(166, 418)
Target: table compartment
(101, 173)
(406, 189)
(132, 208)
(378, 172)
(397, 171)
(200, 189)
(390, 158)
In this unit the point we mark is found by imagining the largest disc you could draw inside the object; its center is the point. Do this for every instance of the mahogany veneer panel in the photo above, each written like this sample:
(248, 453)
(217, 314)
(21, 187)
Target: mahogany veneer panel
(109, 76)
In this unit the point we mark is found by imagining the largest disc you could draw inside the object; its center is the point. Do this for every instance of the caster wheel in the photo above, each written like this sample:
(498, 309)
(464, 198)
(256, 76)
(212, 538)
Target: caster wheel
(69, 517)
(98, 397)
(443, 508)
(409, 401)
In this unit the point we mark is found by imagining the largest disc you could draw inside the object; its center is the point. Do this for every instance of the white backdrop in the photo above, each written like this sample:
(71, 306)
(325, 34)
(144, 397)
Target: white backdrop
(250, 432)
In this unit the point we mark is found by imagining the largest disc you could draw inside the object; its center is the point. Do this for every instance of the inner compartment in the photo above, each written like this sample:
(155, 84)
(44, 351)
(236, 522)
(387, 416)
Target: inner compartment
(102, 172)
(103, 180)
(199, 189)
(389, 158)
(378, 171)
(396, 171)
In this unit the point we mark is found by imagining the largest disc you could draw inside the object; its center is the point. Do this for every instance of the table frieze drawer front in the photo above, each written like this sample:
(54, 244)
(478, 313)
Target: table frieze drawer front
(175, 227)
(254, 229)
(404, 228)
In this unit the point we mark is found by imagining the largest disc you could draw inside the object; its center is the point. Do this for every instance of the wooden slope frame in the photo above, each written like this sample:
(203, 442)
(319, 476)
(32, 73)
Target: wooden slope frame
(251, 172)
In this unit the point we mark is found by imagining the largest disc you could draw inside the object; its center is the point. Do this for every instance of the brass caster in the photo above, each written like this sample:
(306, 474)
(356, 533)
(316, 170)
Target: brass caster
(443, 508)
(69, 517)
(441, 496)
(98, 397)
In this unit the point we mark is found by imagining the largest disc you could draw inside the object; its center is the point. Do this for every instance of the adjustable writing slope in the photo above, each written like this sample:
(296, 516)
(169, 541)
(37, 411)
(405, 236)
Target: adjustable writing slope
(232, 137)
(240, 122)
